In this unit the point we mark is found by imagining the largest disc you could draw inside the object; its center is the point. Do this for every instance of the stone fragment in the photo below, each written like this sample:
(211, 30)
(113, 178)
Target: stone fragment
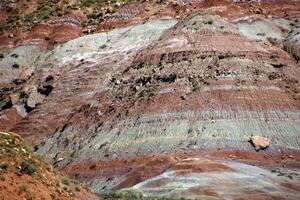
(59, 159)
(14, 98)
(260, 142)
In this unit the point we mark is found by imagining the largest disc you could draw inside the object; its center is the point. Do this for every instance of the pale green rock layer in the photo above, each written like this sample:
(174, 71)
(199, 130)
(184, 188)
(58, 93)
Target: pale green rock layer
(117, 40)
(24, 56)
(179, 132)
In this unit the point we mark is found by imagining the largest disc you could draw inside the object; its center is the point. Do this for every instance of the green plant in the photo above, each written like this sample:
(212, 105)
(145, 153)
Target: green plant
(27, 168)
(4, 167)
(1, 55)
(88, 3)
(5, 27)
(53, 196)
(135, 195)
(40, 157)
(66, 181)
(9, 151)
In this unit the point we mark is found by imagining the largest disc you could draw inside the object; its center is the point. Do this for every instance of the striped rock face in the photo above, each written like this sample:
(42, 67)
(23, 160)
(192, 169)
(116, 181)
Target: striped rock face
(167, 107)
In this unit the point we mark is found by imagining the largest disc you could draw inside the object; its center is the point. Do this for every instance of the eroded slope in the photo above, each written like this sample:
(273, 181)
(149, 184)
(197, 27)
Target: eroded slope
(169, 105)
(24, 175)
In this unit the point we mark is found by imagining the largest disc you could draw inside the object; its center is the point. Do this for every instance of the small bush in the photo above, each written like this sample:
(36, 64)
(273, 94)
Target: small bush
(27, 168)
(17, 66)
(210, 22)
(14, 55)
(30, 198)
(1, 55)
(22, 189)
(4, 167)
(2, 178)
(135, 195)
(66, 181)
(53, 196)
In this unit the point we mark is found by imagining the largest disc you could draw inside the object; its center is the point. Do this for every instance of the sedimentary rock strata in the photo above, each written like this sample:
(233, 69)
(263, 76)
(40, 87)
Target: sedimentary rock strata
(166, 106)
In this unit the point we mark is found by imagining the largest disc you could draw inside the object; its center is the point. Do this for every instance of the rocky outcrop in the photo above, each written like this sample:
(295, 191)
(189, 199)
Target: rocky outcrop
(152, 104)
(292, 44)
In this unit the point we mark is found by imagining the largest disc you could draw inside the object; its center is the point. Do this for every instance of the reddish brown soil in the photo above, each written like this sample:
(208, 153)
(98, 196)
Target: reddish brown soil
(12, 118)
(44, 183)
(143, 168)
(60, 31)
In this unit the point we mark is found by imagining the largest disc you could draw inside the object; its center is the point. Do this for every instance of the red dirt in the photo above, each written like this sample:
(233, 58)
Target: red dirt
(45, 183)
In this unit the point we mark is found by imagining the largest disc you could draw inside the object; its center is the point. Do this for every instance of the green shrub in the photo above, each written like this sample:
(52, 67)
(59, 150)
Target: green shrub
(27, 168)
(88, 3)
(66, 181)
(1, 55)
(135, 195)
(4, 167)
(53, 196)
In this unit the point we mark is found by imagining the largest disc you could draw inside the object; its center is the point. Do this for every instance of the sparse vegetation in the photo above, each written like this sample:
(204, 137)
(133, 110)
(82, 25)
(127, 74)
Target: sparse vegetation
(56, 8)
(24, 161)
(1, 55)
(27, 168)
(5, 27)
(53, 196)
(22, 189)
(14, 55)
(66, 181)
(209, 22)
(3, 167)
(2, 178)
(87, 3)
(16, 66)
(30, 198)
(135, 195)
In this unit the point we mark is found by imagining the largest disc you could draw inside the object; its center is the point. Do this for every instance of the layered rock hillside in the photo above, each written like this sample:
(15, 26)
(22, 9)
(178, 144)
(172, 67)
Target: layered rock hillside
(159, 98)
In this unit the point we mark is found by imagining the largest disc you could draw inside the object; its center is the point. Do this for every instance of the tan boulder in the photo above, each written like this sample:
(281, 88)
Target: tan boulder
(260, 142)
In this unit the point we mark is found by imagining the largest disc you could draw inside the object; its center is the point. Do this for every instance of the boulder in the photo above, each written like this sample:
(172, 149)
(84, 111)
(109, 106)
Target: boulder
(260, 142)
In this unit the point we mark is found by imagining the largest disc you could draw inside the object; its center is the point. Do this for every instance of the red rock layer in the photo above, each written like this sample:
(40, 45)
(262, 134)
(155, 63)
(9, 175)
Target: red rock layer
(64, 29)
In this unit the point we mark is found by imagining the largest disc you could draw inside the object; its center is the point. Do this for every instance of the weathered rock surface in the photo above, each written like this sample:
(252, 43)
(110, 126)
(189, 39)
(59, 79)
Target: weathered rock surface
(158, 105)
(260, 142)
